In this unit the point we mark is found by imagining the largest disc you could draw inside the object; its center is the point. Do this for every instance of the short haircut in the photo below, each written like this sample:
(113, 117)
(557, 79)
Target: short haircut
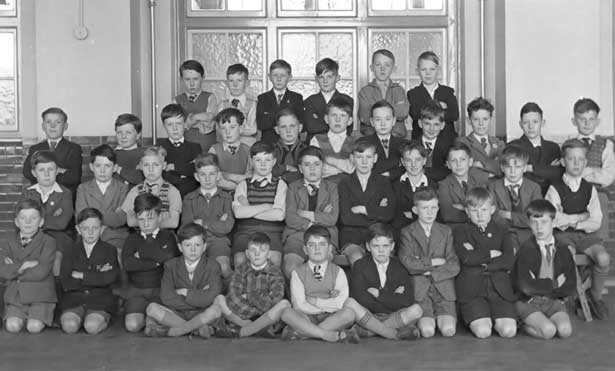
(413, 145)
(89, 212)
(129, 118)
(459, 146)
(326, 65)
(363, 144)
(173, 110)
(385, 52)
(260, 239)
(147, 202)
(191, 65)
(585, 105)
(574, 143)
(530, 107)
(287, 111)
(280, 63)
(311, 151)
(424, 194)
(379, 230)
(428, 56)
(316, 230)
(206, 159)
(379, 104)
(29, 203)
(43, 157)
(341, 102)
(513, 152)
(226, 114)
(261, 147)
(477, 196)
(187, 231)
(103, 150)
(539, 208)
(478, 104)
(237, 68)
(432, 110)
(155, 151)
(56, 111)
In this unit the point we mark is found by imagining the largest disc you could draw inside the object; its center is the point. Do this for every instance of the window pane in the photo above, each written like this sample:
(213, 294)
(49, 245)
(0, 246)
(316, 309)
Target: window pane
(210, 49)
(388, 4)
(334, 4)
(7, 105)
(303, 87)
(231, 5)
(207, 4)
(346, 87)
(337, 46)
(316, 4)
(397, 43)
(299, 49)
(245, 5)
(424, 41)
(407, 5)
(298, 5)
(426, 4)
(247, 48)
(218, 87)
(7, 57)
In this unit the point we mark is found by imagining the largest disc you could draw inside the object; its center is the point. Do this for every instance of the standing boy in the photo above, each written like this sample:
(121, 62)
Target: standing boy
(237, 83)
(128, 132)
(387, 145)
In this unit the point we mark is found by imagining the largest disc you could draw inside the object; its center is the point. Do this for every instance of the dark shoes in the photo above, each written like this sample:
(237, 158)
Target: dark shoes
(348, 336)
(408, 333)
(223, 329)
(154, 329)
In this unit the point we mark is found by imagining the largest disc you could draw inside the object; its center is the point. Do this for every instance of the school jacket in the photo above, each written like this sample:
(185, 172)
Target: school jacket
(528, 192)
(436, 168)
(370, 94)
(315, 111)
(196, 206)
(541, 158)
(419, 96)
(390, 163)
(491, 163)
(68, 156)
(267, 108)
(451, 192)
(182, 158)
(205, 285)
(404, 197)
(416, 251)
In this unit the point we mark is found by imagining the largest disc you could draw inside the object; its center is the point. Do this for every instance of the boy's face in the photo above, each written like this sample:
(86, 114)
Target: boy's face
(207, 176)
(174, 127)
(586, 122)
(574, 160)
(152, 167)
(427, 211)
(149, 221)
(193, 248)
(383, 120)
(413, 162)
(230, 130)
(317, 249)
(288, 129)
(381, 248)
(338, 120)
(327, 80)
(257, 254)
(45, 173)
(364, 161)
(431, 127)
(279, 78)
(480, 121)
(263, 163)
(311, 168)
(192, 81)
(532, 124)
(90, 230)
(127, 135)
(459, 162)
(237, 83)
(428, 71)
(382, 67)
(514, 169)
(481, 215)
(102, 168)
(542, 227)
(29, 221)
(54, 126)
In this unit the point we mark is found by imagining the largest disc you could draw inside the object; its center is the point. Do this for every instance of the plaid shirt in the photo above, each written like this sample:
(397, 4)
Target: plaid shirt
(252, 293)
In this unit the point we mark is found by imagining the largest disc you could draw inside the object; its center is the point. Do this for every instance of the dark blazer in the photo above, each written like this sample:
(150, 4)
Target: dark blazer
(291, 158)
(365, 275)
(267, 108)
(541, 158)
(477, 266)
(68, 155)
(528, 192)
(451, 192)
(436, 168)
(529, 259)
(315, 111)
(491, 164)
(391, 163)
(418, 96)
(416, 251)
(182, 158)
(202, 289)
(404, 197)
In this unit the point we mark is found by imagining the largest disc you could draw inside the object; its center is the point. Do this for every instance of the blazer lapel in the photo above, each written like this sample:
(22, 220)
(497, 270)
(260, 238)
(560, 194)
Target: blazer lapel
(476, 144)
(199, 271)
(421, 237)
(503, 194)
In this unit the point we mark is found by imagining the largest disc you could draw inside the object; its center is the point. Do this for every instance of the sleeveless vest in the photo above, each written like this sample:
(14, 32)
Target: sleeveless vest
(327, 149)
(315, 288)
(198, 106)
(574, 202)
(257, 196)
(163, 194)
(234, 164)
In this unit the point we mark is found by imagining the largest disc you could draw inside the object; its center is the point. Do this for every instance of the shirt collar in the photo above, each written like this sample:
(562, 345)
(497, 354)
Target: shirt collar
(154, 233)
(241, 98)
(535, 142)
(542, 245)
(197, 94)
(431, 90)
(317, 184)
(432, 141)
(591, 137)
(426, 227)
(211, 193)
(571, 182)
(54, 140)
(134, 146)
(387, 137)
(55, 188)
(173, 141)
(278, 92)
(323, 266)
(225, 145)
(103, 185)
(341, 136)
(406, 178)
(508, 183)
(191, 267)
(328, 95)
(88, 248)
(259, 178)
(363, 177)
(380, 266)
(259, 269)
(480, 137)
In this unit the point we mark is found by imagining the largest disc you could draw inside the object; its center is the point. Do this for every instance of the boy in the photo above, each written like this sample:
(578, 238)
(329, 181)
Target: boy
(237, 82)
(336, 144)
(200, 105)
(452, 190)
(152, 164)
(579, 217)
(483, 286)
(143, 258)
(382, 285)
(128, 129)
(89, 270)
(435, 140)
(57, 202)
(270, 103)
(485, 148)
(255, 299)
(544, 276)
(233, 156)
(259, 205)
(316, 105)
(427, 252)
(190, 284)
(180, 153)
(387, 146)
(514, 192)
(212, 208)
(68, 154)
(543, 165)
(106, 194)
(311, 200)
(26, 262)
(382, 88)
(367, 198)
(288, 147)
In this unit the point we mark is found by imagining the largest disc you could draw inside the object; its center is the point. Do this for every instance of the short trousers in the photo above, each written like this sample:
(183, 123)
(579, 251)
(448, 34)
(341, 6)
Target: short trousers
(548, 306)
(82, 312)
(38, 311)
(218, 246)
(434, 304)
(493, 306)
(394, 317)
(186, 315)
(137, 300)
(243, 234)
(580, 240)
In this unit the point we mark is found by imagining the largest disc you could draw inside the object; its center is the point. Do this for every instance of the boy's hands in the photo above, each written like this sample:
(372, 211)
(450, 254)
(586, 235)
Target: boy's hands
(478, 164)
(327, 209)
(359, 210)
(77, 275)
(291, 168)
(8, 260)
(198, 221)
(400, 290)
(334, 293)
(384, 202)
(243, 201)
(309, 215)
(494, 253)
(170, 167)
(373, 292)
(408, 214)
(443, 105)
(182, 292)
(561, 279)
(459, 207)
(468, 246)
(556, 162)
(436, 262)
(505, 214)
(61, 170)
(136, 255)
(26, 265)
(223, 218)
(58, 212)
(105, 268)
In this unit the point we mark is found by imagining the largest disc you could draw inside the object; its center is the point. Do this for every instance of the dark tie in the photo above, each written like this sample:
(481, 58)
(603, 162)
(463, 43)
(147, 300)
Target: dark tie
(261, 183)
(232, 149)
(549, 249)
(481, 229)
(464, 185)
(235, 103)
(149, 237)
(208, 197)
(535, 157)
(192, 98)
(484, 143)
(25, 241)
(513, 189)
(177, 144)
(53, 144)
(280, 96)
(385, 144)
(588, 141)
(317, 274)
(429, 148)
(150, 187)
(312, 190)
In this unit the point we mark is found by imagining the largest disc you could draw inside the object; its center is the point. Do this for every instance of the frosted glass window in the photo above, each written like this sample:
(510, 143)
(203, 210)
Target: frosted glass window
(232, 5)
(8, 81)
(8, 8)
(407, 4)
(316, 4)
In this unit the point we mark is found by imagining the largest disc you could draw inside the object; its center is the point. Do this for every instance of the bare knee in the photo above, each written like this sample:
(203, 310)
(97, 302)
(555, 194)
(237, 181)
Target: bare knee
(506, 330)
(481, 330)
(70, 323)
(94, 324)
(225, 266)
(282, 304)
(13, 324)
(427, 331)
(34, 326)
(239, 259)
(603, 259)
(564, 330)
(134, 322)
(448, 330)
(414, 311)
(154, 310)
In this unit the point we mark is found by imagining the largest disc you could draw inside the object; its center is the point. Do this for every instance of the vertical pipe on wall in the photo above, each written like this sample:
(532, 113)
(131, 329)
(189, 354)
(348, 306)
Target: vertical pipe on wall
(482, 46)
(152, 26)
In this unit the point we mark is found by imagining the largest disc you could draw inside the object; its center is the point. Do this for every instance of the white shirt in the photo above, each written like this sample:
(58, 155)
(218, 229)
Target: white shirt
(382, 272)
(173, 141)
(363, 181)
(535, 142)
(191, 267)
(88, 248)
(328, 95)
(134, 146)
(432, 142)
(426, 228)
(241, 98)
(431, 89)
(336, 140)
(278, 92)
(211, 193)
(543, 248)
(604, 175)
(154, 233)
(45, 195)
(57, 141)
(103, 186)
(331, 305)
(423, 182)
(508, 183)
(563, 221)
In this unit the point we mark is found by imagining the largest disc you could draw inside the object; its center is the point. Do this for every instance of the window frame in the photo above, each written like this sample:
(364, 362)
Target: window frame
(9, 25)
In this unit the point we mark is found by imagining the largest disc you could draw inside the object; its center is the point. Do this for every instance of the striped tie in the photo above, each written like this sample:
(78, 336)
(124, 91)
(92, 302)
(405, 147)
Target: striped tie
(317, 274)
